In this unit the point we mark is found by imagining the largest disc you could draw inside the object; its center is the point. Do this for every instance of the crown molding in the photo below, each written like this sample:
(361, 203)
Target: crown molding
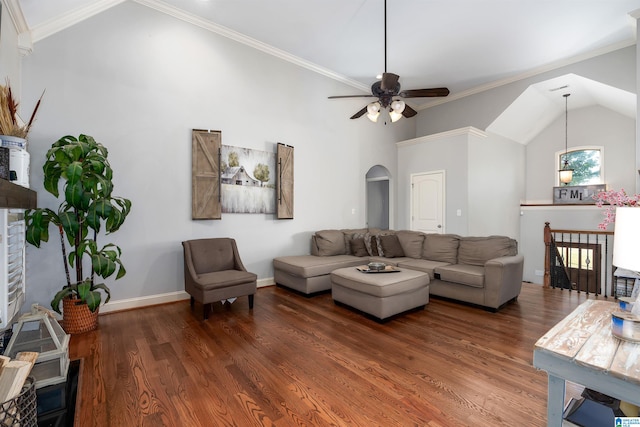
(17, 17)
(180, 14)
(25, 43)
(52, 26)
(465, 131)
(531, 73)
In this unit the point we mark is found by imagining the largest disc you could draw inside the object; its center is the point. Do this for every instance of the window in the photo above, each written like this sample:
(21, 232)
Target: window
(586, 163)
(577, 257)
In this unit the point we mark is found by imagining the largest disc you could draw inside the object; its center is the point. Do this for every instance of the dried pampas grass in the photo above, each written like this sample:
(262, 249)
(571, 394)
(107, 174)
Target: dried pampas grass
(10, 123)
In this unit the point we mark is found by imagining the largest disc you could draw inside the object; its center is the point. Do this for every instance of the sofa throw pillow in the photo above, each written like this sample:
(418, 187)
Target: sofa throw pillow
(357, 247)
(441, 247)
(479, 250)
(352, 234)
(391, 247)
(330, 242)
(411, 242)
(371, 243)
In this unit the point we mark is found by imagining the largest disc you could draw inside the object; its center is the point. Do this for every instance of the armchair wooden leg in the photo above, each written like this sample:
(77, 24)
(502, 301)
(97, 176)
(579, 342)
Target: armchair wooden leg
(193, 301)
(206, 308)
(250, 301)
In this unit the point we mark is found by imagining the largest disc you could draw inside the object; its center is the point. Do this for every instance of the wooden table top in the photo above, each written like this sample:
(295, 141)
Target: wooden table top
(584, 337)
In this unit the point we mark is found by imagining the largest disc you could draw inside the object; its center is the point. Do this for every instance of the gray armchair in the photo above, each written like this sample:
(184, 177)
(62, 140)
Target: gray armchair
(213, 272)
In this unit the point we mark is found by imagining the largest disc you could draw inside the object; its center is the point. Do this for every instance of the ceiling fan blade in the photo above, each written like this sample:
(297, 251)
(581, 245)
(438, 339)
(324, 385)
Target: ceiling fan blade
(359, 114)
(351, 96)
(389, 81)
(423, 93)
(408, 111)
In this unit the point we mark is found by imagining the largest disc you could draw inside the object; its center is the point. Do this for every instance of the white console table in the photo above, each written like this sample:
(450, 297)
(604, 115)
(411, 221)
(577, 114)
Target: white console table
(581, 349)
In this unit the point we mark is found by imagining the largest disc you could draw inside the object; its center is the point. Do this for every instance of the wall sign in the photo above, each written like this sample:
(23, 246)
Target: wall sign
(577, 194)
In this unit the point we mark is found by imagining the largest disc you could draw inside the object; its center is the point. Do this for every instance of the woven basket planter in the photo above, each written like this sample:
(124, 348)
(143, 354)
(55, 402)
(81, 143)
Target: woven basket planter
(77, 318)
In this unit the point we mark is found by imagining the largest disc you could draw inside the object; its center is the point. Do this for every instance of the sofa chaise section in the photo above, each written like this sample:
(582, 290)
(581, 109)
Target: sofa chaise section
(310, 274)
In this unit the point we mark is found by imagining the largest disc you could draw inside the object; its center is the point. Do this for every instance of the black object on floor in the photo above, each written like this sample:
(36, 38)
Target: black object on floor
(57, 403)
(594, 409)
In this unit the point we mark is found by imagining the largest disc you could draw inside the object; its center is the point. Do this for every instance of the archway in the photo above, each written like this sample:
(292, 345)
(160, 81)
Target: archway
(378, 204)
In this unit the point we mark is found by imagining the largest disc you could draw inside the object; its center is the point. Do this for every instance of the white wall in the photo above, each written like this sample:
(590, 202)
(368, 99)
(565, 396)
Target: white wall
(139, 81)
(496, 186)
(447, 152)
(484, 180)
(9, 53)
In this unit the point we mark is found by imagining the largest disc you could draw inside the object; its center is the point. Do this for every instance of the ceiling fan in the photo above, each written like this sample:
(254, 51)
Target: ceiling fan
(388, 88)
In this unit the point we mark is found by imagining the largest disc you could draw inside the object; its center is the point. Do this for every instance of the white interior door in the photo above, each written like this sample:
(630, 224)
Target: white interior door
(427, 202)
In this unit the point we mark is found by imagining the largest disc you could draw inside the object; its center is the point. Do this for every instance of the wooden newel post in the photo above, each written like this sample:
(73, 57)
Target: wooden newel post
(547, 257)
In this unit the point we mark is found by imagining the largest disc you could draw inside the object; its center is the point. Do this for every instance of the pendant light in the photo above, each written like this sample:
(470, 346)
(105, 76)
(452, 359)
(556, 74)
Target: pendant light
(566, 173)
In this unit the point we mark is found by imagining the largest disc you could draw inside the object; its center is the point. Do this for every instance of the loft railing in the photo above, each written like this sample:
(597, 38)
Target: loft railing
(580, 260)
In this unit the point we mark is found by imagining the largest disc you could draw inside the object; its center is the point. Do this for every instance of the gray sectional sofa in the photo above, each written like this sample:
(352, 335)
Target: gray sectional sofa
(485, 271)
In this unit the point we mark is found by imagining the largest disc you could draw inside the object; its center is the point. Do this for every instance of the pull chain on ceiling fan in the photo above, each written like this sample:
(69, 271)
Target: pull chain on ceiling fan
(387, 88)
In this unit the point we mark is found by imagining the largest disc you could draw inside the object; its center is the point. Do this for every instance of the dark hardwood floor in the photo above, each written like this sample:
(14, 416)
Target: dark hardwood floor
(296, 361)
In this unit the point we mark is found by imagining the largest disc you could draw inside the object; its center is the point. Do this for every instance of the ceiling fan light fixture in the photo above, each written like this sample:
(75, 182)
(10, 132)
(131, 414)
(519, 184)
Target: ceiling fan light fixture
(395, 116)
(388, 86)
(373, 111)
(398, 106)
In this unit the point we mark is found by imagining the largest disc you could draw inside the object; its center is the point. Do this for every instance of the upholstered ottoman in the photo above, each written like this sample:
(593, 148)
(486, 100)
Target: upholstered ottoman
(381, 295)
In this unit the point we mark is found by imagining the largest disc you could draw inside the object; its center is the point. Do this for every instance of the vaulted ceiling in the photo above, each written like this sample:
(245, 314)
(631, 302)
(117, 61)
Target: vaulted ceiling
(465, 45)
(461, 44)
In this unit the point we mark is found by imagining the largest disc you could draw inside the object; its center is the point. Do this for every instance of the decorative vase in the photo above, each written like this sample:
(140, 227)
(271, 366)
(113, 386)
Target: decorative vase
(9, 143)
(76, 316)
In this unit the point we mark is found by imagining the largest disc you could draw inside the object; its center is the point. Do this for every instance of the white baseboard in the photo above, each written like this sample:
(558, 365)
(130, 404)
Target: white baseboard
(130, 303)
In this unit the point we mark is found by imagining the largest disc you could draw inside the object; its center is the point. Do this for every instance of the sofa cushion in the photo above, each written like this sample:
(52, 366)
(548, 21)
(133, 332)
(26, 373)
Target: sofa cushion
(441, 247)
(424, 265)
(479, 250)
(463, 274)
(411, 242)
(357, 247)
(379, 285)
(391, 247)
(330, 242)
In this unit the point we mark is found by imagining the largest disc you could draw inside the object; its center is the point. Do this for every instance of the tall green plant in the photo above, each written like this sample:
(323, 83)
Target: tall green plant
(82, 166)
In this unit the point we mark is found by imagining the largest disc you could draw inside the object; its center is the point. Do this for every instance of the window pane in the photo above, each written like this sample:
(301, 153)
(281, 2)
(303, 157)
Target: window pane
(577, 257)
(585, 164)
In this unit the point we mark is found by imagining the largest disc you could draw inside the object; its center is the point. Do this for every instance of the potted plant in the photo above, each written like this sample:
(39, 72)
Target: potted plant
(87, 204)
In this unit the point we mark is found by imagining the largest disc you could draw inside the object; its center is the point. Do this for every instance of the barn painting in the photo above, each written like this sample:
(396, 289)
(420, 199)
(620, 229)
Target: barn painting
(248, 180)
